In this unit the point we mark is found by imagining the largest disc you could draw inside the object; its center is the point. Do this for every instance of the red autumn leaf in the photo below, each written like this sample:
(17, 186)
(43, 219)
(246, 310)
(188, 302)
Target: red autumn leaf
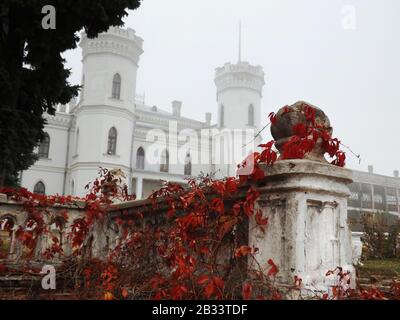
(219, 187)
(231, 185)
(219, 283)
(226, 227)
(273, 270)
(202, 280)
(286, 110)
(257, 174)
(243, 179)
(268, 156)
(247, 290)
(124, 293)
(236, 209)
(217, 205)
(178, 292)
(309, 112)
(209, 290)
(156, 282)
(260, 220)
(300, 130)
(243, 251)
(205, 250)
(272, 118)
(332, 146)
(252, 195)
(340, 159)
(268, 145)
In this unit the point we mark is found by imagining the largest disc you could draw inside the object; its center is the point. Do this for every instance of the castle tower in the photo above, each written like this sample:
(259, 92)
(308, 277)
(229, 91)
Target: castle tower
(110, 58)
(103, 130)
(239, 94)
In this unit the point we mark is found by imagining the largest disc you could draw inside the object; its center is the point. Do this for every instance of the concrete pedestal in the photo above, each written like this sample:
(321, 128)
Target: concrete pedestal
(307, 233)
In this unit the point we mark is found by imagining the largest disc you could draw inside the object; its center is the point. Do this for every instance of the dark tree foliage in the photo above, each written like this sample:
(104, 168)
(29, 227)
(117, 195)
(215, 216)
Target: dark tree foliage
(33, 78)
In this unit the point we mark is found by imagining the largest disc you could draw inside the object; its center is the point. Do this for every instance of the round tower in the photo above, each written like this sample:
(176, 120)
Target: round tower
(110, 64)
(103, 130)
(239, 94)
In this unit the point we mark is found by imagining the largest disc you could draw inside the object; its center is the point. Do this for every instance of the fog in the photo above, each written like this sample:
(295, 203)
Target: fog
(342, 56)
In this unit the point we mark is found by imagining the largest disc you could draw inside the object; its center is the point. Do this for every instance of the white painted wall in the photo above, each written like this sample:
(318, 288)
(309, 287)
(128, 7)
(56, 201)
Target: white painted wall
(50, 171)
(77, 159)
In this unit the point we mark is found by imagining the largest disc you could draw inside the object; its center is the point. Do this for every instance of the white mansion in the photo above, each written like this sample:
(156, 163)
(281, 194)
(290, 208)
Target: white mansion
(111, 127)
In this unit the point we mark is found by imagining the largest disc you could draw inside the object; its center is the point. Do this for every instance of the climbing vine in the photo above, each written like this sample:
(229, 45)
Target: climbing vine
(183, 243)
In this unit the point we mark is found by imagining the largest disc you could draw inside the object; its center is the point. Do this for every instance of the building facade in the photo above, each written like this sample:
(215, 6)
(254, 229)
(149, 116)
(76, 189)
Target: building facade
(374, 193)
(112, 127)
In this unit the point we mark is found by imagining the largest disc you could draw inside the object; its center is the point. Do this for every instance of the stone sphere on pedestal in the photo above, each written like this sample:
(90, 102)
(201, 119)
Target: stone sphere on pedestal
(290, 116)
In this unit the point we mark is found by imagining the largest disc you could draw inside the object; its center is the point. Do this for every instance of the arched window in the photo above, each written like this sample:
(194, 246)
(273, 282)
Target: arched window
(188, 165)
(251, 115)
(164, 164)
(116, 86)
(77, 141)
(112, 141)
(140, 158)
(39, 188)
(7, 235)
(44, 146)
(222, 116)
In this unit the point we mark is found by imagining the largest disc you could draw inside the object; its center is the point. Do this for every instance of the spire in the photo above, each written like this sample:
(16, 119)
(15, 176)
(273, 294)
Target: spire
(240, 41)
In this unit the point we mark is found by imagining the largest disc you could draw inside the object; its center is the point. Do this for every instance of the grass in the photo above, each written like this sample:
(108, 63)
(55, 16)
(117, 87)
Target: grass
(381, 267)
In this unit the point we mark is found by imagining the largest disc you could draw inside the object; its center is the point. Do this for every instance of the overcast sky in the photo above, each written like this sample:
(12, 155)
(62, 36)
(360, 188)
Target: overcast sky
(310, 50)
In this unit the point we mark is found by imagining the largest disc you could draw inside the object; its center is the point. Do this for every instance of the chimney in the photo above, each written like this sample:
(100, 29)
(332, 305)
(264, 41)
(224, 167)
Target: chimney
(176, 108)
(208, 118)
(371, 169)
(396, 173)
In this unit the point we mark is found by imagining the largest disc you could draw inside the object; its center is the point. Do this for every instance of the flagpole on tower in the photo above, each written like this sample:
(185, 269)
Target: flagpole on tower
(240, 41)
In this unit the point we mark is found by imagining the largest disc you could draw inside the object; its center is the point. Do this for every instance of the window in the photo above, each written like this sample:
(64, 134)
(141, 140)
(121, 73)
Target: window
(140, 158)
(188, 165)
(39, 188)
(72, 187)
(251, 115)
(164, 165)
(112, 141)
(222, 116)
(44, 146)
(116, 87)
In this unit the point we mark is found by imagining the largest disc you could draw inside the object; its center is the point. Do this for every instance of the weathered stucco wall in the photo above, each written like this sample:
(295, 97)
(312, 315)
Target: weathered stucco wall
(307, 234)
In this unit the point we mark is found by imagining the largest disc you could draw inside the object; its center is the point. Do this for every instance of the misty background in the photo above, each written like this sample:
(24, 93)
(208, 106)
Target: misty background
(309, 50)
